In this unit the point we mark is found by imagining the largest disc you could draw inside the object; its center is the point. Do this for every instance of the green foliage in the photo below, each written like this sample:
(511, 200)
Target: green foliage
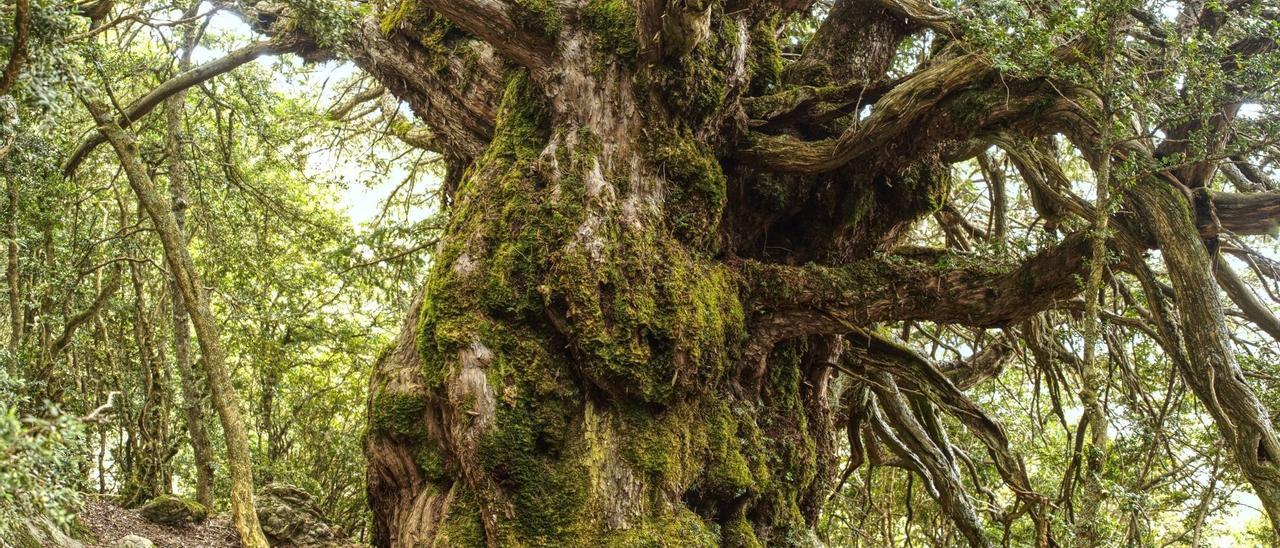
(325, 21)
(39, 471)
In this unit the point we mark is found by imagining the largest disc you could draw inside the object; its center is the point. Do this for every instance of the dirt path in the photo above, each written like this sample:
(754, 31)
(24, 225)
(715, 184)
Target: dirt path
(110, 522)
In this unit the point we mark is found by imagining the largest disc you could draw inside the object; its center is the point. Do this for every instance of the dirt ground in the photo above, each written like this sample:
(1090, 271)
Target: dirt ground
(109, 523)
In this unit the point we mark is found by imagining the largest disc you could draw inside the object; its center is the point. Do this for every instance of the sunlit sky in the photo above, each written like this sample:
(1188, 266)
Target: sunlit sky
(362, 195)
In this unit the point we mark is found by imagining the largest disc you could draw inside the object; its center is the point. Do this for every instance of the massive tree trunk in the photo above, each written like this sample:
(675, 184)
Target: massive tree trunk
(593, 356)
(573, 373)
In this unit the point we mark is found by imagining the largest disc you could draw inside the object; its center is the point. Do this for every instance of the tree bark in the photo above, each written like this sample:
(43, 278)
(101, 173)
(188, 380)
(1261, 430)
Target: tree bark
(180, 263)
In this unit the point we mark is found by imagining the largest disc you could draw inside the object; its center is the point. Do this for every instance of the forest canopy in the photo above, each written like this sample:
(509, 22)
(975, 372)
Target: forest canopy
(642, 272)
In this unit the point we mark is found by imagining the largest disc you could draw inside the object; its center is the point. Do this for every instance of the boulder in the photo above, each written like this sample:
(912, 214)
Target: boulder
(290, 518)
(133, 541)
(173, 510)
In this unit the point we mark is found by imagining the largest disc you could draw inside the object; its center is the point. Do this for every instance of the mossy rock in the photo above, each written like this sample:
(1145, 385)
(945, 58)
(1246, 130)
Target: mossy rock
(173, 510)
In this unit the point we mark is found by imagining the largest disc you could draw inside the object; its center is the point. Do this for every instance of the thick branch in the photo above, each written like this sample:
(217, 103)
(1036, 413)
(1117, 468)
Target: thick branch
(497, 23)
(948, 102)
(1253, 213)
(139, 108)
(458, 98)
(930, 458)
(924, 13)
(792, 301)
(1239, 293)
(902, 361)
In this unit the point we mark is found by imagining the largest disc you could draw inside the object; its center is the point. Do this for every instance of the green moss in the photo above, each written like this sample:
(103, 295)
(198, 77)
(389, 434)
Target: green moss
(928, 186)
(972, 108)
(697, 186)
(462, 527)
(728, 475)
(539, 16)
(528, 452)
(681, 526)
(502, 200)
(657, 321)
(548, 493)
(428, 459)
(738, 533)
(764, 63)
(399, 414)
(173, 510)
(407, 11)
(696, 86)
(662, 446)
(433, 31)
(614, 25)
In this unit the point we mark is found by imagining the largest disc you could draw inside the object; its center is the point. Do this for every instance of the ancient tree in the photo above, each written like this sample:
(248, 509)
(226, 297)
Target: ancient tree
(673, 236)
(677, 231)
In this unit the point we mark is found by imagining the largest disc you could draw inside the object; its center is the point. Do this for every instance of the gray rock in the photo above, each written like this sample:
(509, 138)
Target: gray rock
(289, 518)
(133, 541)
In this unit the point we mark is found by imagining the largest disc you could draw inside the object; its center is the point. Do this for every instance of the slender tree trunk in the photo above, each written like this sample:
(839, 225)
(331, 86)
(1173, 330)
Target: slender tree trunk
(12, 274)
(1089, 531)
(146, 480)
(192, 402)
(225, 400)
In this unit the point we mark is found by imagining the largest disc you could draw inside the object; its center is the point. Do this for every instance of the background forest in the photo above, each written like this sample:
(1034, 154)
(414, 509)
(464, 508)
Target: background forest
(311, 200)
(308, 210)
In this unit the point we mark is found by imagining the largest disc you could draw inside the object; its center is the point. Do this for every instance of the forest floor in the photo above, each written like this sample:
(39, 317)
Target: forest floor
(109, 523)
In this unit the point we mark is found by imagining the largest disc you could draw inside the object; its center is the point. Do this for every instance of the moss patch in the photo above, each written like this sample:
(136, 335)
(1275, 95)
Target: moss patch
(697, 187)
(764, 62)
(539, 16)
(614, 24)
(680, 526)
(173, 510)
(462, 526)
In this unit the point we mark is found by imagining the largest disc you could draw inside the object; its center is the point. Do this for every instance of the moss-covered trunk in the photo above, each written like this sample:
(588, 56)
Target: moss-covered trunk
(570, 374)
